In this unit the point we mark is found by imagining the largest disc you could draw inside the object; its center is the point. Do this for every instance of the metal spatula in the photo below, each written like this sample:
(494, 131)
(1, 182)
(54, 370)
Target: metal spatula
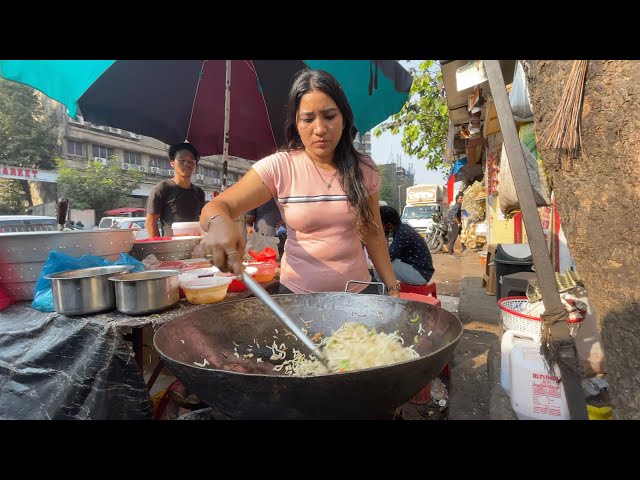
(259, 291)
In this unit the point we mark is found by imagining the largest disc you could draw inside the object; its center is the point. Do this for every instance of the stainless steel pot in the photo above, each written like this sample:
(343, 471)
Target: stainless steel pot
(84, 291)
(146, 292)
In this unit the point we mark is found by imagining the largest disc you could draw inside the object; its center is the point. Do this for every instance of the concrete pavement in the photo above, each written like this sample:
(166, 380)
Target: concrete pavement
(469, 386)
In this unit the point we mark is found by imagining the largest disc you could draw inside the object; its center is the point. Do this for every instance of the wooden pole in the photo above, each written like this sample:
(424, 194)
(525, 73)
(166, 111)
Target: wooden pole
(524, 190)
(539, 251)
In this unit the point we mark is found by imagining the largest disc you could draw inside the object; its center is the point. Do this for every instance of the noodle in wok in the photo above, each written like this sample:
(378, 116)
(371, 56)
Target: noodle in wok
(352, 347)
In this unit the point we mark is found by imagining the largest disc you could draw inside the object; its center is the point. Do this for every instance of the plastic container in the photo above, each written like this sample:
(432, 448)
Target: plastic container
(510, 259)
(266, 271)
(183, 229)
(197, 273)
(206, 290)
(237, 285)
(509, 339)
(535, 395)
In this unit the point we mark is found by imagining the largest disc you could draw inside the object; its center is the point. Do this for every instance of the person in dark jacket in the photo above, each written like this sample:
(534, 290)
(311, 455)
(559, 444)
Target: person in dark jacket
(410, 256)
(455, 223)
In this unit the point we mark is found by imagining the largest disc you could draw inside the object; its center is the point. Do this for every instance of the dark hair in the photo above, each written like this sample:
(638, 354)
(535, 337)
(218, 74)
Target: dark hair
(174, 149)
(459, 195)
(346, 158)
(389, 215)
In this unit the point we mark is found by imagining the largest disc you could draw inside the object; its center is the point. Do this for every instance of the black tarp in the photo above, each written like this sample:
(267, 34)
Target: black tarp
(58, 367)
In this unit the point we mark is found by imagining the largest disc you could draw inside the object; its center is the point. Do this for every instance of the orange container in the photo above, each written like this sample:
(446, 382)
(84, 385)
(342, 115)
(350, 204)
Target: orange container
(266, 271)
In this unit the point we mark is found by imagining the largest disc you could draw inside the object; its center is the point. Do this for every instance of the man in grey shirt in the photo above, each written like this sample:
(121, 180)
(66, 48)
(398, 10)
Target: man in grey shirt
(265, 219)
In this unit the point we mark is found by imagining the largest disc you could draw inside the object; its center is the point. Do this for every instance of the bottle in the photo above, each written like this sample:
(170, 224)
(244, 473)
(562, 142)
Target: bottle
(593, 387)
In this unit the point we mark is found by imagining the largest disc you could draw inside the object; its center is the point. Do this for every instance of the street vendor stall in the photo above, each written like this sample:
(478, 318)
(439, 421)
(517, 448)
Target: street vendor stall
(81, 367)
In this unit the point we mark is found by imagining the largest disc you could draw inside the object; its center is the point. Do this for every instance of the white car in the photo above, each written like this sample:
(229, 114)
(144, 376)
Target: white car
(137, 223)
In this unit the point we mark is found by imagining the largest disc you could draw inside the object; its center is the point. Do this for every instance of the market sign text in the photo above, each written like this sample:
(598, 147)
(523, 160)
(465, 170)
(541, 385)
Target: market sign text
(18, 172)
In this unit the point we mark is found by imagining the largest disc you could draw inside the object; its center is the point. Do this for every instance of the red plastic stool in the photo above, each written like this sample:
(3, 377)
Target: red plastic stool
(421, 298)
(424, 395)
(428, 289)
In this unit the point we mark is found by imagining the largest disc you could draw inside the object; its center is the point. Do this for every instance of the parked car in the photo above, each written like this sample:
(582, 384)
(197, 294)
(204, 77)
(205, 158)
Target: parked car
(27, 223)
(109, 222)
(137, 223)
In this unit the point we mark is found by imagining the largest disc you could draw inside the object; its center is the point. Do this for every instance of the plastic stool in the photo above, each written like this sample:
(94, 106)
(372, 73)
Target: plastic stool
(424, 395)
(421, 298)
(428, 289)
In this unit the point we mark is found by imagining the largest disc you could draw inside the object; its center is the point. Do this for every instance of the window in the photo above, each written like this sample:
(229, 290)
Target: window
(160, 162)
(210, 172)
(103, 152)
(75, 148)
(134, 158)
(231, 177)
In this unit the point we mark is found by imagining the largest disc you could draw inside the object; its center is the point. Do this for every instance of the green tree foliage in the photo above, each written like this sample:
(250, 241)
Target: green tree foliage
(386, 190)
(424, 119)
(12, 199)
(100, 187)
(27, 137)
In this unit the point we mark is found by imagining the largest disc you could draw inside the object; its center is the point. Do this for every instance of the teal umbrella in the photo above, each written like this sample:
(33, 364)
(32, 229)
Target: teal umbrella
(189, 100)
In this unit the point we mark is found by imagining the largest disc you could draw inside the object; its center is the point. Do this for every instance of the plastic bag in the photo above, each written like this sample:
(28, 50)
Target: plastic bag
(506, 187)
(519, 97)
(126, 259)
(59, 262)
(258, 242)
(264, 255)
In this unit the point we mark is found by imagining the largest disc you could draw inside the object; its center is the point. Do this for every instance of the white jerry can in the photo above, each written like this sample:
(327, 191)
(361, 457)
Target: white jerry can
(535, 394)
(509, 339)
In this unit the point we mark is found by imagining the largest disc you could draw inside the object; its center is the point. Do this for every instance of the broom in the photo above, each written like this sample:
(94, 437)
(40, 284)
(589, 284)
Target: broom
(563, 133)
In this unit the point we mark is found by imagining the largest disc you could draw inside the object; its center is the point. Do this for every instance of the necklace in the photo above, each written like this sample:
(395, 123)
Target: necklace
(322, 178)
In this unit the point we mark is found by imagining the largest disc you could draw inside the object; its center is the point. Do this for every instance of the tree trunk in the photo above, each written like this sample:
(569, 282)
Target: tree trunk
(26, 188)
(598, 196)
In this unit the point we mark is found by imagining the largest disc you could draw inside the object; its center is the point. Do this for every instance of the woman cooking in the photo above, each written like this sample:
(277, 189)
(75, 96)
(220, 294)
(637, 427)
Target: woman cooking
(326, 191)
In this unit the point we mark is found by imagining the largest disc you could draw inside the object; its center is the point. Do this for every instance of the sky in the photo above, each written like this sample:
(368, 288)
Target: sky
(385, 149)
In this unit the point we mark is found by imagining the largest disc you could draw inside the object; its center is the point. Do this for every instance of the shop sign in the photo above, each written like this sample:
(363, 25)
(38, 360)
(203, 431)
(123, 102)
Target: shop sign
(19, 173)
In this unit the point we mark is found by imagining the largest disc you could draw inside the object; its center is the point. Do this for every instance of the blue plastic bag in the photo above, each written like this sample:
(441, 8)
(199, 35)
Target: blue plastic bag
(125, 259)
(59, 262)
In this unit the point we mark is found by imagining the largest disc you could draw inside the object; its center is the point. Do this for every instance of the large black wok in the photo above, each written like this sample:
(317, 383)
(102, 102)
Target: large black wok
(244, 389)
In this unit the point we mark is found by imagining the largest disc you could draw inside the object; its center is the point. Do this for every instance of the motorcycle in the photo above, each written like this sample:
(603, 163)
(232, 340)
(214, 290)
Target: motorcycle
(437, 236)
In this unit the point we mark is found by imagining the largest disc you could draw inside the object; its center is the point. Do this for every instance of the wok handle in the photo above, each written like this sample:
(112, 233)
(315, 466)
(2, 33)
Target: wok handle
(346, 287)
(259, 291)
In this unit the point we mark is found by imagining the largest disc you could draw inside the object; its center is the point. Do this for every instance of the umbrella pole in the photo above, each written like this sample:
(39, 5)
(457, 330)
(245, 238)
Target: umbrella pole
(227, 114)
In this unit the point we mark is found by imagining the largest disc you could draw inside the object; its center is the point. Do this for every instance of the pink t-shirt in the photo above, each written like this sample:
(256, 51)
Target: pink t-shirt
(323, 250)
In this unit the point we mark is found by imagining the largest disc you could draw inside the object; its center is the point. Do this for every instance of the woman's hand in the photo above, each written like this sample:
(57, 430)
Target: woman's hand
(224, 244)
